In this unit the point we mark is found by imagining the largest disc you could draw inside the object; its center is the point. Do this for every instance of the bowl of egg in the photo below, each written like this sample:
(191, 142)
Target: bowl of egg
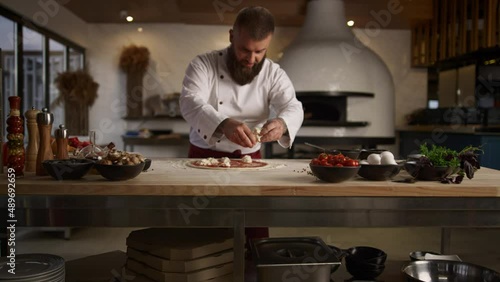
(379, 167)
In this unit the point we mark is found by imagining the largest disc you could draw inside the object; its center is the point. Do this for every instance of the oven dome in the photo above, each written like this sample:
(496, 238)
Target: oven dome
(327, 56)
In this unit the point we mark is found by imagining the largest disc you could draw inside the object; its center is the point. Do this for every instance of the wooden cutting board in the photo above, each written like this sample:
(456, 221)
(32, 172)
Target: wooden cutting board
(213, 274)
(166, 265)
(181, 243)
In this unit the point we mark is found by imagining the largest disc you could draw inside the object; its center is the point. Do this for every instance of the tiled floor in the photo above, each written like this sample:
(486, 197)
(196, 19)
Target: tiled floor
(479, 246)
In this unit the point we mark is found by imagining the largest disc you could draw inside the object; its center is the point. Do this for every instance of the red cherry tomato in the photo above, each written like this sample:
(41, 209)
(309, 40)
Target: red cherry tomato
(351, 162)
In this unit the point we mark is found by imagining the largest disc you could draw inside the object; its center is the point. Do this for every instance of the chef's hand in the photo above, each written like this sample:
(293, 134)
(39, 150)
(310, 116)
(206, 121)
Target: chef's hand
(238, 132)
(273, 130)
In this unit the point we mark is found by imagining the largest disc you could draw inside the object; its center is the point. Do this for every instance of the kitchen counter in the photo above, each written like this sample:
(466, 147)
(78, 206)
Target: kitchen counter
(284, 195)
(285, 178)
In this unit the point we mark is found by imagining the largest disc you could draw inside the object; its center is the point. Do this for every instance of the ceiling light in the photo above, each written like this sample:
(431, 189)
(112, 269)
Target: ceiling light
(139, 29)
(129, 18)
(350, 23)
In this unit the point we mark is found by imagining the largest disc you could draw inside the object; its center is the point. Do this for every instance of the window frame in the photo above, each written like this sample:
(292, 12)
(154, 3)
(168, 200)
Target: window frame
(47, 35)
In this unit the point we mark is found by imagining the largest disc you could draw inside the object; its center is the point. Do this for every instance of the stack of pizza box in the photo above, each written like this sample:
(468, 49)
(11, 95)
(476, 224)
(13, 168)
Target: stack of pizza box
(181, 254)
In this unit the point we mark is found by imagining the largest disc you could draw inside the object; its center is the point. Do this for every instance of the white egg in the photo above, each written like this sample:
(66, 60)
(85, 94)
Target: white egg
(386, 153)
(387, 160)
(365, 162)
(373, 159)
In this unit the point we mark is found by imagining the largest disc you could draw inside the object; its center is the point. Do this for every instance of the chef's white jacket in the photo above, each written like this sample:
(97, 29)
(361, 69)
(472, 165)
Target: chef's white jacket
(209, 96)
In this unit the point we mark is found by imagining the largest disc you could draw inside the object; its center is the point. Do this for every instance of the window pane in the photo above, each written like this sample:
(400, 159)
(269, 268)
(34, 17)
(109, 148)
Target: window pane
(33, 70)
(75, 60)
(7, 46)
(56, 64)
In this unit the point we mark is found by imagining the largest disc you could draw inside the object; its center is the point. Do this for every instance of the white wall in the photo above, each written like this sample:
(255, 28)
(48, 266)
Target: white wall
(172, 46)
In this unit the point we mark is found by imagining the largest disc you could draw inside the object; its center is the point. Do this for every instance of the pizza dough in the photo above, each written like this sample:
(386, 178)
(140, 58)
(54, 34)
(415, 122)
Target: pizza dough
(234, 164)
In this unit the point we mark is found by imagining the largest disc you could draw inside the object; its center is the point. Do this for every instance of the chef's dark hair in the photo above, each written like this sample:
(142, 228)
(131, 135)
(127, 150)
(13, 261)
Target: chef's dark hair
(257, 21)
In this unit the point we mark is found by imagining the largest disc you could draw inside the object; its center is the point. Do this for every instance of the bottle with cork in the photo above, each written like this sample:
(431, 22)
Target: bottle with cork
(44, 121)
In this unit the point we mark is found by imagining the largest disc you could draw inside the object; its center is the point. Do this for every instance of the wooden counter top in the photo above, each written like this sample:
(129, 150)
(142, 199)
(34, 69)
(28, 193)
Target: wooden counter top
(455, 128)
(171, 177)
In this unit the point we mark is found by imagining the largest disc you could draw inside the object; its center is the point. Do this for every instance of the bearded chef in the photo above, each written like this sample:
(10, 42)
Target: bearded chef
(230, 93)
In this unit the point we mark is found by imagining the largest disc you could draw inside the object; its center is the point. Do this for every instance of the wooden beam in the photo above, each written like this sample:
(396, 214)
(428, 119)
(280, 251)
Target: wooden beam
(443, 29)
(474, 26)
(462, 27)
(435, 32)
(452, 36)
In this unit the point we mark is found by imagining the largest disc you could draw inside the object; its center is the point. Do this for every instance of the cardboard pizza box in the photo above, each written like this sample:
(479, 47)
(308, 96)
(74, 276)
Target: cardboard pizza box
(181, 243)
(166, 265)
(195, 276)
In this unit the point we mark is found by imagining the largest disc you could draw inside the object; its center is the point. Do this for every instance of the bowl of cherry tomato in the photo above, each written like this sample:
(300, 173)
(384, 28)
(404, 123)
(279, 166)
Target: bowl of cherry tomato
(334, 168)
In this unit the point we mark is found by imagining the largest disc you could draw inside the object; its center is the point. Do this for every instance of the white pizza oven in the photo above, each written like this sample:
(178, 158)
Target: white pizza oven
(346, 89)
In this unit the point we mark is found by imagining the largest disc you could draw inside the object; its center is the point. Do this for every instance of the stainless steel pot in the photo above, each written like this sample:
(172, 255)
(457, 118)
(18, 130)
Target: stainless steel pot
(304, 259)
(443, 271)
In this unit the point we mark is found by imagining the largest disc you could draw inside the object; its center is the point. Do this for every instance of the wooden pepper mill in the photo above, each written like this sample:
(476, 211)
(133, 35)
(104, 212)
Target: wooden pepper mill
(44, 121)
(61, 135)
(33, 139)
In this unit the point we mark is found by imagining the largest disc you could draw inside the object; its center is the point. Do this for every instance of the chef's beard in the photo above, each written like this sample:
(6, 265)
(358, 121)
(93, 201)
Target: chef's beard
(240, 73)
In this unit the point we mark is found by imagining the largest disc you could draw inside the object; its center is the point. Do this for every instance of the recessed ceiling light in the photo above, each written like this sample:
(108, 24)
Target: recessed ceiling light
(129, 18)
(139, 29)
(350, 23)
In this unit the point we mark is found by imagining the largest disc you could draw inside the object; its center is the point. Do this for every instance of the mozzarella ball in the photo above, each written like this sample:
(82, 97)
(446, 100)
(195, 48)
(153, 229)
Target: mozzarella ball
(387, 160)
(373, 159)
(387, 153)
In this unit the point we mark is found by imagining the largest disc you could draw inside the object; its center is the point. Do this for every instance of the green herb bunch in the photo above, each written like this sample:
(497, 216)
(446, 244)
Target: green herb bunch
(466, 160)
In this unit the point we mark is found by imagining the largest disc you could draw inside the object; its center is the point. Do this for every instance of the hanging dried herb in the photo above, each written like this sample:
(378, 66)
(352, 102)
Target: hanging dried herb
(134, 59)
(76, 86)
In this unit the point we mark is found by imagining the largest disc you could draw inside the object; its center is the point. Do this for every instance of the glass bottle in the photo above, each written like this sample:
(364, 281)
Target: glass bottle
(15, 137)
(92, 151)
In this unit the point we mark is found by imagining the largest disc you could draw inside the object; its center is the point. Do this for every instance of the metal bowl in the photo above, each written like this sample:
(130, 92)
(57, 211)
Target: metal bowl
(442, 271)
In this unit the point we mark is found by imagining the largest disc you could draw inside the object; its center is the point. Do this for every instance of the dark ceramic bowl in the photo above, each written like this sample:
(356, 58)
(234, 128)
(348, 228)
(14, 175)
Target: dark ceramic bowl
(379, 172)
(119, 172)
(363, 272)
(147, 164)
(428, 173)
(363, 154)
(420, 255)
(334, 174)
(353, 154)
(67, 169)
(367, 255)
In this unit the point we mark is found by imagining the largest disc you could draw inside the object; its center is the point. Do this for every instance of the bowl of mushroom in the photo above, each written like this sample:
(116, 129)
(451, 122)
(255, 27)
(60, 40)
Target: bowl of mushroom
(120, 165)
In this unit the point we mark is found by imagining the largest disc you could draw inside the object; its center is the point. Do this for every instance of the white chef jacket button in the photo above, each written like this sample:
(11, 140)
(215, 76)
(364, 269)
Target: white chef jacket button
(199, 130)
(221, 77)
(220, 103)
(218, 141)
(205, 137)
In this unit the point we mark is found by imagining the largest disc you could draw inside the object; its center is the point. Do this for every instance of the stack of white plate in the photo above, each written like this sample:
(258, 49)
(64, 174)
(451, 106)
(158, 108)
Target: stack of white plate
(33, 268)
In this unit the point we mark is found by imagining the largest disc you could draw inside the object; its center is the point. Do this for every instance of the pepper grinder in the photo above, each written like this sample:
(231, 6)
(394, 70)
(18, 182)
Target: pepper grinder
(33, 138)
(62, 142)
(44, 121)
